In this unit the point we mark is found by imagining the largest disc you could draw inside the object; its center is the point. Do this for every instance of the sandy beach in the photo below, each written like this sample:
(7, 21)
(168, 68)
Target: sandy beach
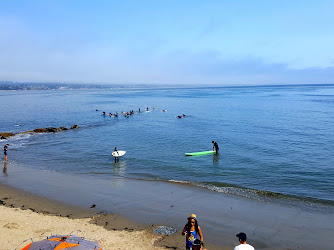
(25, 216)
(127, 209)
(17, 225)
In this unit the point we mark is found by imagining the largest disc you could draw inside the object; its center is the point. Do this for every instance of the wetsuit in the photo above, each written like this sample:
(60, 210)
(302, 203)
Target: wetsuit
(5, 148)
(215, 144)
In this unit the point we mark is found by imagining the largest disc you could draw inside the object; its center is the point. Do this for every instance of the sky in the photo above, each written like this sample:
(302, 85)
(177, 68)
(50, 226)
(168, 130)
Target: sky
(216, 42)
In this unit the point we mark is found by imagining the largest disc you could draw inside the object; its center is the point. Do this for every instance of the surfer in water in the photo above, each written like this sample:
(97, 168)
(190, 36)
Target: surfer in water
(215, 146)
(180, 116)
(116, 157)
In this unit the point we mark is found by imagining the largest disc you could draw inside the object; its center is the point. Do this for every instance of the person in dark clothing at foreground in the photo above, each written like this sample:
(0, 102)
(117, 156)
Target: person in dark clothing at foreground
(215, 146)
(243, 245)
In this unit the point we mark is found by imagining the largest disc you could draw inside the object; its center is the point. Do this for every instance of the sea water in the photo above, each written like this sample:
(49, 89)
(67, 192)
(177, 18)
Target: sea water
(274, 141)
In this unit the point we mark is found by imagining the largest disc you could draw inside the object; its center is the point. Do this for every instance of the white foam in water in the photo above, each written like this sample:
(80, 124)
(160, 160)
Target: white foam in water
(21, 136)
(18, 140)
(175, 181)
(247, 193)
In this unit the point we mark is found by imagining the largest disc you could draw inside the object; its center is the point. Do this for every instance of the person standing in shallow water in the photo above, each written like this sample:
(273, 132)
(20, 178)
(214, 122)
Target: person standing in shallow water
(5, 148)
(116, 157)
(215, 146)
(193, 232)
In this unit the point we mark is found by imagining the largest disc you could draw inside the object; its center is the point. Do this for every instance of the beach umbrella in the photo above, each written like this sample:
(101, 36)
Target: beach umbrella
(58, 242)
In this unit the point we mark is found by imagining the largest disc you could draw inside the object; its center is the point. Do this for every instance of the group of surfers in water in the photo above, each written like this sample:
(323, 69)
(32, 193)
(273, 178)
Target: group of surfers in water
(131, 112)
(194, 236)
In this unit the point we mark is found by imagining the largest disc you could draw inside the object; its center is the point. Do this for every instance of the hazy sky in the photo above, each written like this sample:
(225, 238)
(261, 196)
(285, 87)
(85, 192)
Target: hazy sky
(167, 41)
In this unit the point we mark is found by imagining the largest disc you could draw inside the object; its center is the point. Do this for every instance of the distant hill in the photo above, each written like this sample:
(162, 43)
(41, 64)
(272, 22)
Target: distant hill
(6, 85)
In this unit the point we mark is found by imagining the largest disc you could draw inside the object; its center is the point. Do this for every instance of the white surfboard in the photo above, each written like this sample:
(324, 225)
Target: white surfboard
(118, 153)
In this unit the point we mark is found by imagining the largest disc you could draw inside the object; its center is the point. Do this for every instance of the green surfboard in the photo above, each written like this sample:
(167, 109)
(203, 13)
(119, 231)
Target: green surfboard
(201, 153)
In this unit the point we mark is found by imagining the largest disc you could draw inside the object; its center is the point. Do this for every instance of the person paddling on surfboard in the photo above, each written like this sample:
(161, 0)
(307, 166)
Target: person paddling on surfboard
(215, 147)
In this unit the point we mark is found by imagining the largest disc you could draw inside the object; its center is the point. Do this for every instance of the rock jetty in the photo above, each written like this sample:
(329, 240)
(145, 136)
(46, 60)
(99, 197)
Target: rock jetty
(5, 135)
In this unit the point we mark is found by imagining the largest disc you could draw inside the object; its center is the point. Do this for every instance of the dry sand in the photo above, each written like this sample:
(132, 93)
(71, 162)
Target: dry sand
(17, 225)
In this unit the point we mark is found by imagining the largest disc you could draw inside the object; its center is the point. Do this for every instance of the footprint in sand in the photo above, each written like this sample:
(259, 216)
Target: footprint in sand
(12, 225)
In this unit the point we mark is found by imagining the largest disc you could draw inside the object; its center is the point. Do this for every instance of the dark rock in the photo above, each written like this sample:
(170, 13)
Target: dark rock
(75, 127)
(51, 130)
(5, 135)
(92, 206)
(62, 128)
(40, 130)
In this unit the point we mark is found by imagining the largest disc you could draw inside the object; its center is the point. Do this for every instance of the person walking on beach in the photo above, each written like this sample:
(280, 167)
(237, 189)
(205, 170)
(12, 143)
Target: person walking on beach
(5, 148)
(193, 232)
(243, 245)
(215, 146)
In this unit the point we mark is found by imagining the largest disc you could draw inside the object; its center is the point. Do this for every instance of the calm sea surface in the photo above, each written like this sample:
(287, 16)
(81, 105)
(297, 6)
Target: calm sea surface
(273, 140)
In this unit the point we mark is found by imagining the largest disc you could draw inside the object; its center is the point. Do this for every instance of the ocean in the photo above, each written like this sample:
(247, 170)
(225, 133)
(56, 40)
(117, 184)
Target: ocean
(275, 141)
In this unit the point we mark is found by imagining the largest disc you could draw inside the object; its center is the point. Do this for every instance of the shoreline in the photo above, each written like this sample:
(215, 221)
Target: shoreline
(220, 216)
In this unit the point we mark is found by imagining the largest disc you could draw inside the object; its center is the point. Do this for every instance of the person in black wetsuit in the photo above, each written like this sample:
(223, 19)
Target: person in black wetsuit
(116, 157)
(215, 146)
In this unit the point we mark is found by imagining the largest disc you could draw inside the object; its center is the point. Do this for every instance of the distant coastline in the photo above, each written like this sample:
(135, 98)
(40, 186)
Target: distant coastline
(10, 86)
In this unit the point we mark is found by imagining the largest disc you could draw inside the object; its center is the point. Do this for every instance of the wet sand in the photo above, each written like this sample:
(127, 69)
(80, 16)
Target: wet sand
(269, 225)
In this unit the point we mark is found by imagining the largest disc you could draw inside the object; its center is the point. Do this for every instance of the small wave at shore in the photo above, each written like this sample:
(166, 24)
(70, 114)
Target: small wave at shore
(248, 193)
(268, 196)
(19, 140)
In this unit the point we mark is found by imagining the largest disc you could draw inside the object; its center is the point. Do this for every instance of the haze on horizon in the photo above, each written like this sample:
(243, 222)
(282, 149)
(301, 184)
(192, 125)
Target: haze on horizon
(167, 42)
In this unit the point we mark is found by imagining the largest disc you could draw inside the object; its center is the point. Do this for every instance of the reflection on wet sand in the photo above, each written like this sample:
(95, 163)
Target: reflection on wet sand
(118, 170)
(5, 168)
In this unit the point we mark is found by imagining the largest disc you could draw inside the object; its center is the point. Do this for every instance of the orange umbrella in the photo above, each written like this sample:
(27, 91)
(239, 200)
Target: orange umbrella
(58, 242)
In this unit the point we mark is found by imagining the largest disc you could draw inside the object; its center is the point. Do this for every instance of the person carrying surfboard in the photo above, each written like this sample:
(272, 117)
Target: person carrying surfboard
(116, 157)
(215, 146)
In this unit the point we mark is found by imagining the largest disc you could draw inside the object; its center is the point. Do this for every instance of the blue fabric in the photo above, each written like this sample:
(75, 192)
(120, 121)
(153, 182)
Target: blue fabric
(192, 237)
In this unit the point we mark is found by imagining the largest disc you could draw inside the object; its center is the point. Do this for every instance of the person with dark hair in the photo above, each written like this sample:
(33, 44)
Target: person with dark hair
(193, 233)
(5, 148)
(215, 146)
(116, 155)
(243, 245)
